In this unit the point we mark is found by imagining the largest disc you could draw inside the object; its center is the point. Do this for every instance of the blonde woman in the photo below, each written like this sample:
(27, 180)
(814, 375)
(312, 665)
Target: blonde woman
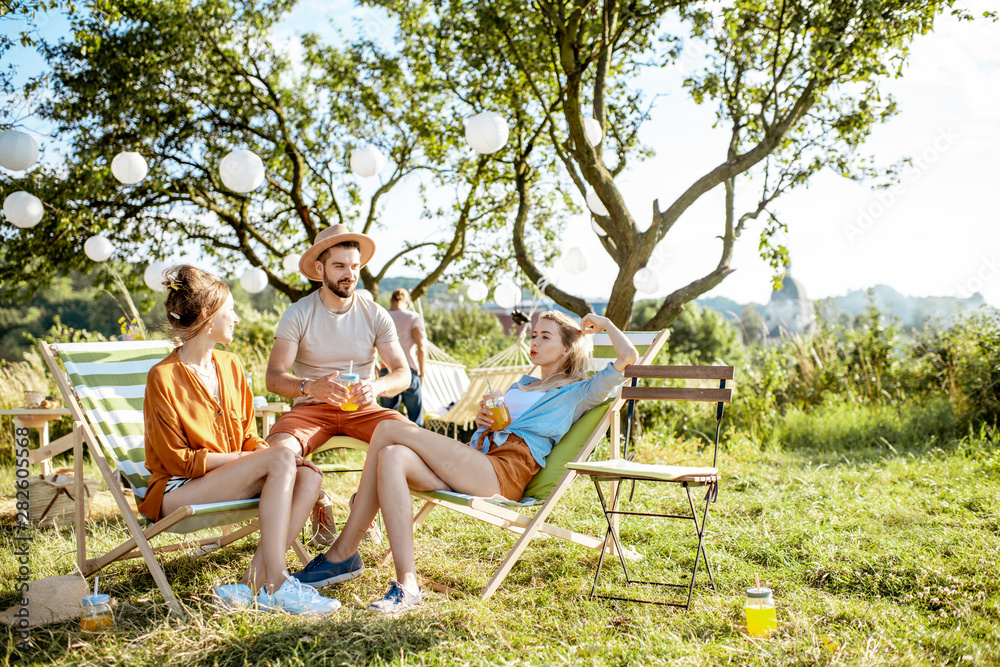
(202, 444)
(403, 456)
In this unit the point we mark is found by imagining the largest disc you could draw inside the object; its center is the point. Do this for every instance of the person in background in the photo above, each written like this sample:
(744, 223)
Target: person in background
(502, 461)
(411, 333)
(202, 444)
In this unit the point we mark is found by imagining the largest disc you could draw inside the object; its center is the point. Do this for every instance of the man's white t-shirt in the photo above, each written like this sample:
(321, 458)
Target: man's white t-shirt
(328, 342)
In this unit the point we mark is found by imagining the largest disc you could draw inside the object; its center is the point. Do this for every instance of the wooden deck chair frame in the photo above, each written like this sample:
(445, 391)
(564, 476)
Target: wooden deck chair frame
(182, 520)
(528, 526)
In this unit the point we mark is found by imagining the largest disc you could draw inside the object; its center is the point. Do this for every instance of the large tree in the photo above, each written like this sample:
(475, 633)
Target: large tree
(794, 83)
(183, 84)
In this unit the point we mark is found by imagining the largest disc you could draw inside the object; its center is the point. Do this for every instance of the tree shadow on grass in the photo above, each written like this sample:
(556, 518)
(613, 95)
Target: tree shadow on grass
(348, 638)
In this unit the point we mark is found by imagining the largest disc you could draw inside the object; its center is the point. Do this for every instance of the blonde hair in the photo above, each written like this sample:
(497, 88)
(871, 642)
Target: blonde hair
(191, 293)
(574, 368)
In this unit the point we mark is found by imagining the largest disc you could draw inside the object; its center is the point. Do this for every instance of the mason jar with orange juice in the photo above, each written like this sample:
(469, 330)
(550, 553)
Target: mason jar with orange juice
(349, 380)
(495, 404)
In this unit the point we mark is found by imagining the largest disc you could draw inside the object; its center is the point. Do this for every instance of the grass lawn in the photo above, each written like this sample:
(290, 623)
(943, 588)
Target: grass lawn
(876, 557)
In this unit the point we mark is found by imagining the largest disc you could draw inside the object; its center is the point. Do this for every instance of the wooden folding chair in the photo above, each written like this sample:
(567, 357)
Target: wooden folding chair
(103, 386)
(547, 487)
(617, 471)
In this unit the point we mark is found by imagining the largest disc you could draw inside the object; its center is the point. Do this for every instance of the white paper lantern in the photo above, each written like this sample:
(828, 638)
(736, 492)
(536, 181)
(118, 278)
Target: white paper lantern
(242, 171)
(575, 260)
(506, 295)
(645, 280)
(98, 248)
(486, 132)
(23, 209)
(153, 276)
(254, 280)
(595, 204)
(290, 263)
(593, 130)
(367, 161)
(477, 291)
(18, 150)
(129, 167)
(597, 228)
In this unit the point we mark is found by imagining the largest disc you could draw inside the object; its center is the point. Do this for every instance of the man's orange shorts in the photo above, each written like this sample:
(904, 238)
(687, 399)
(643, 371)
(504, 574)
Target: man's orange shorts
(312, 424)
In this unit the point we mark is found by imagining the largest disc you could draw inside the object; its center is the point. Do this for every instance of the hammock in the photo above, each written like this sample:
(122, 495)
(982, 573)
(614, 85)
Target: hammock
(502, 370)
(445, 380)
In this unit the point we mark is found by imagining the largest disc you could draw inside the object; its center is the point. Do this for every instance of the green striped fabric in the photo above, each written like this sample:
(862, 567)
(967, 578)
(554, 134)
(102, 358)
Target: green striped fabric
(109, 380)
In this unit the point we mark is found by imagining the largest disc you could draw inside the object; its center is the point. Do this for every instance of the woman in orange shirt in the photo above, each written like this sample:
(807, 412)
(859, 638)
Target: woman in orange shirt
(202, 445)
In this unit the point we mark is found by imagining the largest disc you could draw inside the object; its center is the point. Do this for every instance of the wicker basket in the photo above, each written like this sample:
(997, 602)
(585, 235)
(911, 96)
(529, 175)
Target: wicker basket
(50, 499)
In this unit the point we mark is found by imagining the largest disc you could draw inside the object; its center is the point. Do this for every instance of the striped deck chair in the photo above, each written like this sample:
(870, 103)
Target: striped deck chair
(103, 387)
(547, 487)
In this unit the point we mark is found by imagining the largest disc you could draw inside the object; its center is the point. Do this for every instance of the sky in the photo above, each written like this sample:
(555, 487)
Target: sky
(935, 233)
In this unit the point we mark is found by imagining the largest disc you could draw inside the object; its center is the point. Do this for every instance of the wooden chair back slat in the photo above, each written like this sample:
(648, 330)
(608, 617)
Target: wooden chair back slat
(680, 372)
(678, 394)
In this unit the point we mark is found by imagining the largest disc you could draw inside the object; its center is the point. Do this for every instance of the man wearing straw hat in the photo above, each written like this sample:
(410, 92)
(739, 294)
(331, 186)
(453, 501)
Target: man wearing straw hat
(331, 332)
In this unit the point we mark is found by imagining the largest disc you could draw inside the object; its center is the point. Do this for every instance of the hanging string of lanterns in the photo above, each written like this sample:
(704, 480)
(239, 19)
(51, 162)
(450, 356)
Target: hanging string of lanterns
(506, 295)
(153, 276)
(254, 280)
(486, 132)
(367, 161)
(593, 130)
(290, 263)
(646, 281)
(23, 209)
(477, 290)
(98, 248)
(575, 261)
(129, 167)
(242, 171)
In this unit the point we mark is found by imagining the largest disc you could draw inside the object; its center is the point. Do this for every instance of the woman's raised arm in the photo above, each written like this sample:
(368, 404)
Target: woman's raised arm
(627, 354)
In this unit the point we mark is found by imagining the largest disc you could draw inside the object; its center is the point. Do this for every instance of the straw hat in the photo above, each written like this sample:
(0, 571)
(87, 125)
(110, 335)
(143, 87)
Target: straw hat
(50, 600)
(329, 237)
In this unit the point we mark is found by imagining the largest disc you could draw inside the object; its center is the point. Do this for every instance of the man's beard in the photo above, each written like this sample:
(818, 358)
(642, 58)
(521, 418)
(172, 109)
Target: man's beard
(342, 292)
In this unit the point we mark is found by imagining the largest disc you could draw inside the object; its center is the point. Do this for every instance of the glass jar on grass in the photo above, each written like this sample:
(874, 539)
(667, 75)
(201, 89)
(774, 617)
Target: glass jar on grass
(95, 613)
(761, 619)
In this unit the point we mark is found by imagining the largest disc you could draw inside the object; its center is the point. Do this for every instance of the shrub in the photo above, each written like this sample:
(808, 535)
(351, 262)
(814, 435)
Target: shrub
(963, 363)
(845, 427)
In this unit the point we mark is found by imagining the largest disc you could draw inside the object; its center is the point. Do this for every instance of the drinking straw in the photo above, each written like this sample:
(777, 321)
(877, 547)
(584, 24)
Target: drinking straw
(96, 579)
(351, 367)
(488, 384)
(756, 580)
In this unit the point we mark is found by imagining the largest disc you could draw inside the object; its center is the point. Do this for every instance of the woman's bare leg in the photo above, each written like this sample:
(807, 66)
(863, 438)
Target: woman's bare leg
(455, 465)
(307, 484)
(272, 473)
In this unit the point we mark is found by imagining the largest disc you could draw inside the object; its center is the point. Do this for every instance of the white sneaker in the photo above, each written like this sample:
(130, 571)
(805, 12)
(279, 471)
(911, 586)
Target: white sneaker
(294, 597)
(232, 597)
(396, 601)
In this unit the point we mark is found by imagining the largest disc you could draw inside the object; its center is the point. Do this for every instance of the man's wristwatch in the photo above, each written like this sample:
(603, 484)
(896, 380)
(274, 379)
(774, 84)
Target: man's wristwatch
(302, 387)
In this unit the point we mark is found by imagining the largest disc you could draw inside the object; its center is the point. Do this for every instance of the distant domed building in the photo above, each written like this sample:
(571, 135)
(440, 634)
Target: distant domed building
(789, 312)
